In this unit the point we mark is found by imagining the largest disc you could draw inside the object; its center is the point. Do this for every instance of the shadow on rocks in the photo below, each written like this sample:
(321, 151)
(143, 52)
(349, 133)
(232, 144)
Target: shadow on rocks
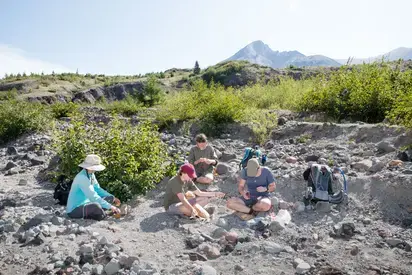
(160, 221)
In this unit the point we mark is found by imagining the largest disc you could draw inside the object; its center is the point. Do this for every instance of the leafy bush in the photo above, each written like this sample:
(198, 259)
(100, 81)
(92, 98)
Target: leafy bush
(221, 71)
(402, 111)
(61, 109)
(12, 94)
(135, 156)
(283, 94)
(120, 190)
(127, 107)
(152, 93)
(261, 121)
(21, 117)
(213, 107)
(367, 92)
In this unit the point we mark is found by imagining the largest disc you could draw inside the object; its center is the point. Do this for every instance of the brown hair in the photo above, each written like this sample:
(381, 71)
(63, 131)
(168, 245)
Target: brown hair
(201, 138)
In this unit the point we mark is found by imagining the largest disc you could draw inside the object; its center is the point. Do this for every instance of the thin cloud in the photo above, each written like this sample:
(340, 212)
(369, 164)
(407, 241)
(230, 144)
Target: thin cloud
(13, 61)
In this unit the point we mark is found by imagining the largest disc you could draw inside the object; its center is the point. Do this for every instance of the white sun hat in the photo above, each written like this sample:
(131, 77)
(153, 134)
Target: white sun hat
(93, 162)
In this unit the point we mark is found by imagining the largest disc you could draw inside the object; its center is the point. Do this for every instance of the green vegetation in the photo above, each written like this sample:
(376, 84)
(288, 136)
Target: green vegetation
(151, 94)
(370, 93)
(61, 109)
(20, 117)
(221, 71)
(215, 107)
(135, 157)
(196, 69)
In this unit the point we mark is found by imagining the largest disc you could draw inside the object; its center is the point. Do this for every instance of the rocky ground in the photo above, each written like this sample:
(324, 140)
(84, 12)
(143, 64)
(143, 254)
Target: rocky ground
(371, 234)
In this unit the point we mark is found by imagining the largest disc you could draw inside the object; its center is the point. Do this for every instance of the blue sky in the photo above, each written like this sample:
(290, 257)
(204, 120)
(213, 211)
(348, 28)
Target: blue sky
(136, 36)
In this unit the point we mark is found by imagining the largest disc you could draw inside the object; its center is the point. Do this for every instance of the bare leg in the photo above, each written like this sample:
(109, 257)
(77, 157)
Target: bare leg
(198, 205)
(237, 204)
(262, 205)
(207, 179)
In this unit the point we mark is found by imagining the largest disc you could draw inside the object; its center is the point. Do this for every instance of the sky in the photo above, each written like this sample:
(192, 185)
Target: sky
(139, 36)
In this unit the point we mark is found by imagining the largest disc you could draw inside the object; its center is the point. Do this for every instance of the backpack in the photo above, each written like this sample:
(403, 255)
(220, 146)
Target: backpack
(320, 186)
(252, 153)
(62, 190)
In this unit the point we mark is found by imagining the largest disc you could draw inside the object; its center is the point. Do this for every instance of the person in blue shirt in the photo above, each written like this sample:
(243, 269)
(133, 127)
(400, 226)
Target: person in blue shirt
(87, 200)
(254, 197)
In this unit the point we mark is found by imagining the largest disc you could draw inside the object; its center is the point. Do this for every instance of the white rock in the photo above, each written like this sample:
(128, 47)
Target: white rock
(98, 269)
(272, 247)
(281, 220)
(112, 267)
(302, 268)
(300, 206)
(363, 165)
(103, 241)
(87, 267)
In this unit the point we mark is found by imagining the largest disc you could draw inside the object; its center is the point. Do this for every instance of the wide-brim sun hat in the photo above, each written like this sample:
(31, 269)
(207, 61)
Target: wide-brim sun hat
(93, 162)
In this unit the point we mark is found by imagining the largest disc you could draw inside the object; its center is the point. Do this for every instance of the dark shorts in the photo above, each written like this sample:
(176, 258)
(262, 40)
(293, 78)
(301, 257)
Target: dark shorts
(252, 201)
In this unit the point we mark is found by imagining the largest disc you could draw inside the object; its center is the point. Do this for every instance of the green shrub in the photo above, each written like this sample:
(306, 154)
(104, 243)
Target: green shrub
(402, 111)
(133, 155)
(61, 109)
(221, 71)
(283, 94)
(21, 117)
(126, 107)
(120, 190)
(366, 92)
(262, 123)
(152, 93)
(10, 95)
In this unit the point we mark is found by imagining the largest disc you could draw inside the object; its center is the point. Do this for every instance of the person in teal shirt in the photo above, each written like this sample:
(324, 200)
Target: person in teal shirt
(87, 200)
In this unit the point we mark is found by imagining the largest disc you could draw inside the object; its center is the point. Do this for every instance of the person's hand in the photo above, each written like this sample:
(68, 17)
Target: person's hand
(209, 161)
(219, 194)
(246, 195)
(117, 201)
(199, 161)
(115, 210)
(261, 189)
(194, 212)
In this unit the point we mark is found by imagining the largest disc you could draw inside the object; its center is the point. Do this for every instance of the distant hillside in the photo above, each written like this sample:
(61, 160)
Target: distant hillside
(399, 53)
(259, 53)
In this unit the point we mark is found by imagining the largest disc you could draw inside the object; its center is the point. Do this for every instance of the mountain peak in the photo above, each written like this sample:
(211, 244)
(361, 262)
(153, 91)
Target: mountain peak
(260, 53)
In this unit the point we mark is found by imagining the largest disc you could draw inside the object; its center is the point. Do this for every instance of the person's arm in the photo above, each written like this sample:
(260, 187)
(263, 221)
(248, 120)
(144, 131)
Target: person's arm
(100, 191)
(89, 191)
(242, 182)
(191, 157)
(211, 159)
(185, 202)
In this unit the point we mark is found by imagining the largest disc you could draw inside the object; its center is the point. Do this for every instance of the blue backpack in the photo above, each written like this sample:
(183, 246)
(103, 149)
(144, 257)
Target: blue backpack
(252, 153)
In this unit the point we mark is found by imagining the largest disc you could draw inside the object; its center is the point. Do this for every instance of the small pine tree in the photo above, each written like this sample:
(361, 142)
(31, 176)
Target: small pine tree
(196, 69)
